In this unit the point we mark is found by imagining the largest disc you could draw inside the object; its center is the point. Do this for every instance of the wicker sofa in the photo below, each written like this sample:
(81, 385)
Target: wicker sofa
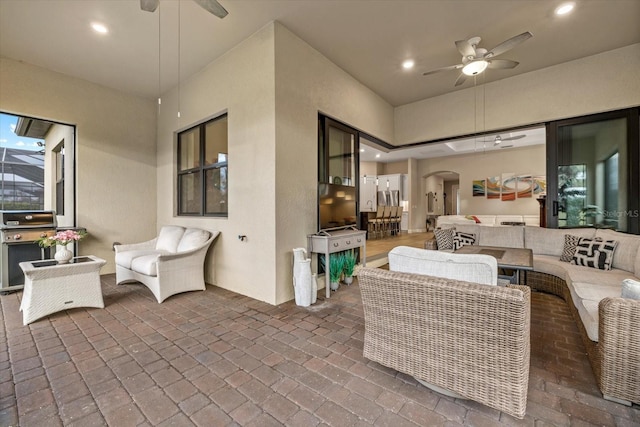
(609, 324)
(170, 264)
(466, 339)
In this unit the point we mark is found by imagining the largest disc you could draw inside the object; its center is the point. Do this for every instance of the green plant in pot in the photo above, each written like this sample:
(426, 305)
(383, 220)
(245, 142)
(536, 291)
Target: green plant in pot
(336, 264)
(348, 267)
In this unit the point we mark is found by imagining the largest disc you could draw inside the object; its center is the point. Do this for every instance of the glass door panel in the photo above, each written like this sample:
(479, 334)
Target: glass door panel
(592, 175)
(342, 161)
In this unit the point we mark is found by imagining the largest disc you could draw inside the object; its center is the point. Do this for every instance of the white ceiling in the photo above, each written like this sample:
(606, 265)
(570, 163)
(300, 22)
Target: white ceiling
(372, 152)
(368, 39)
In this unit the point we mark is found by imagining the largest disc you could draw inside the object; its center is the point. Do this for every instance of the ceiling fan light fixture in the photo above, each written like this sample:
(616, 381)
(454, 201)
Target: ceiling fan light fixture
(565, 8)
(408, 64)
(475, 67)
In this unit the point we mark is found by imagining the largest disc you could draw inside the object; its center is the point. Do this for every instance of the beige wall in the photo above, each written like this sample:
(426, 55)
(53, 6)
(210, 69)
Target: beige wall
(115, 149)
(522, 161)
(241, 83)
(308, 83)
(604, 82)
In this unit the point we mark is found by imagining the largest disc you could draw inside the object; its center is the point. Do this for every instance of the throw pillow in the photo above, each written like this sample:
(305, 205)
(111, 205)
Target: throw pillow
(473, 217)
(630, 289)
(461, 239)
(570, 244)
(595, 253)
(444, 237)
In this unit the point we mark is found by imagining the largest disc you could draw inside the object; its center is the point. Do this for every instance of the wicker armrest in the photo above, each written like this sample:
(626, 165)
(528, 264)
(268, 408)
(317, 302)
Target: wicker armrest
(431, 244)
(148, 245)
(619, 341)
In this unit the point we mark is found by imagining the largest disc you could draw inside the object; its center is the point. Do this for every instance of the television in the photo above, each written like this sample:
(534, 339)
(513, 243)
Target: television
(337, 206)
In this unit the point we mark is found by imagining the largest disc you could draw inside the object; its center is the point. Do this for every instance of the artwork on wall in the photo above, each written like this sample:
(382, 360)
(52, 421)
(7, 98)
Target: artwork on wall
(493, 187)
(539, 184)
(510, 186)
(479, 188)
(525, 186)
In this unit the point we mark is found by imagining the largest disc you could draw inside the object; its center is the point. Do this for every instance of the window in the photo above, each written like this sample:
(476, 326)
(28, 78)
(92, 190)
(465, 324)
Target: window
(203, 169)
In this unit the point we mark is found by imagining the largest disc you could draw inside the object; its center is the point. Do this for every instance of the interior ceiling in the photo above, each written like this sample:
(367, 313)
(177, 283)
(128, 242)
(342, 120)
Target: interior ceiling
(367, 39)
(372, 152)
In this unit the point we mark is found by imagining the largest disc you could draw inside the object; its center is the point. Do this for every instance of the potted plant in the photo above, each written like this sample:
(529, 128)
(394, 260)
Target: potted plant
(349, 265)
(336, 264)
(61, 239)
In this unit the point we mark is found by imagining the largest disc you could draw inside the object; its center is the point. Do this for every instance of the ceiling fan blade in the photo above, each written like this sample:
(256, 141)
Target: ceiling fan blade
(461, 79)
(437, 70)
(149, 5)
(508, 44)
(214, 7)
(465, 48)
(511, 138)
(502, 64)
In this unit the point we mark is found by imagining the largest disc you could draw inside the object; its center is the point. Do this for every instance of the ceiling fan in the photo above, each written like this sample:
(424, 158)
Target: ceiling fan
(498, 139)
(476, 59)
(211, 6)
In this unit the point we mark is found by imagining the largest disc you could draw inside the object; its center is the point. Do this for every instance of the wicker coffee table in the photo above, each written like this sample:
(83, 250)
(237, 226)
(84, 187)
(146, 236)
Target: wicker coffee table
(50, 287)
(515, 259)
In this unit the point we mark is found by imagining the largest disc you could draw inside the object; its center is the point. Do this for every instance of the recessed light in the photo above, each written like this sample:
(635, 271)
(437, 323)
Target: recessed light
(565, 8)
(408, 64)
(99, 28)
(378, 156)
(362, 150)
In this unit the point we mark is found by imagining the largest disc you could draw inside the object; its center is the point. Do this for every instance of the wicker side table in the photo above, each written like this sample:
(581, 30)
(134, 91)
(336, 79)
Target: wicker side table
(49, 288)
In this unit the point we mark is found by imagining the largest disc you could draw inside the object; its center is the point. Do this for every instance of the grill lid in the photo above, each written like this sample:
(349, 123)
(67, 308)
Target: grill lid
(27, 219)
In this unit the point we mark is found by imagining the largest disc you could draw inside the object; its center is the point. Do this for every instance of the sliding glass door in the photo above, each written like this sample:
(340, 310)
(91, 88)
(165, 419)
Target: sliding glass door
(592, 172)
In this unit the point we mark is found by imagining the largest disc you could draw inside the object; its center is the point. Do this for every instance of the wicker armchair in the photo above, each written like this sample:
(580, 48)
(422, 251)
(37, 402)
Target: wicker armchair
(463, 337)
(171, 263)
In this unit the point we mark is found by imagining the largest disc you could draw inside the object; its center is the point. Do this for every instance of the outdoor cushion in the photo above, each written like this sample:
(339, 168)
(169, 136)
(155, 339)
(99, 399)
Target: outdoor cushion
(570, 245)
(169, 238)
(630, 289)
(595, 253)
(146, 264)
(124, 259)
(627, 250)
(504, 236)
(481, 269)
(444, 238)
(193, 238)
(550, 241)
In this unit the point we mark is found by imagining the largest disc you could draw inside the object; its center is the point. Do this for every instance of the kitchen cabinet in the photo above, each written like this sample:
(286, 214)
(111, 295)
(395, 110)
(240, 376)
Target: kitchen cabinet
(394, 182)
(368, 194)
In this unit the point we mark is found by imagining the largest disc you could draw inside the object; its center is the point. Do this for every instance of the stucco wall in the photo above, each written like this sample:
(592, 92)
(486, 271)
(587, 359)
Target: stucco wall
(308, 83)
(115, 144)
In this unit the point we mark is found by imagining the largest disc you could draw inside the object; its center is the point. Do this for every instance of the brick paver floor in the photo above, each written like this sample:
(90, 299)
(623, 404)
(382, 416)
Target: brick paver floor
(216, 358)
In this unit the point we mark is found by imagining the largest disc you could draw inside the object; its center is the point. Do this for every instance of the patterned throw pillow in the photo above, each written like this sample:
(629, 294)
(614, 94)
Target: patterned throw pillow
(444, 237)
(570, 244)
(461, 239)
(595, 253)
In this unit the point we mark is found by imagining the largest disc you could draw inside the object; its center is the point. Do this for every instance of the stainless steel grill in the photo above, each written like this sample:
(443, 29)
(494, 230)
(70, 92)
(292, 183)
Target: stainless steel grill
(19, 232)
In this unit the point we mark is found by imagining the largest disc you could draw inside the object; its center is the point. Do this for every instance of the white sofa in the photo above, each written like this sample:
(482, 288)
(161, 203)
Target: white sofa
(171, 263)
(610, 325)
(486, 220)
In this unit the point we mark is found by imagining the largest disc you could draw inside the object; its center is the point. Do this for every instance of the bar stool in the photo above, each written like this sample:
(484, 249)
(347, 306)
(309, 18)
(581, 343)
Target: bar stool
(375, 224)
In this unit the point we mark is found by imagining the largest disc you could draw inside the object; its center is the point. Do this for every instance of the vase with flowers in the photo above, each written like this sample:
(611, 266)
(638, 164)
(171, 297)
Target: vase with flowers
(61, 239)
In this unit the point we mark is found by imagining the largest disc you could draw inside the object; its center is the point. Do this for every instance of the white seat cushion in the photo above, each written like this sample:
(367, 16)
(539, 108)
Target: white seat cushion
(626, 251)
(481, 269)
(146, 264)
(193, 238)
(124, 259)
(169, 238)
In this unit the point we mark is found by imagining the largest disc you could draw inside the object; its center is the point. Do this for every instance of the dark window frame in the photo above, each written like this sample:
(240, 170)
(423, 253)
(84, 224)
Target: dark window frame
(201, 168)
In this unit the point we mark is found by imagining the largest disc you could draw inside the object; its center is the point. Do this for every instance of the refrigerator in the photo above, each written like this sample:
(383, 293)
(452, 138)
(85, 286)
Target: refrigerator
(389, 198)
